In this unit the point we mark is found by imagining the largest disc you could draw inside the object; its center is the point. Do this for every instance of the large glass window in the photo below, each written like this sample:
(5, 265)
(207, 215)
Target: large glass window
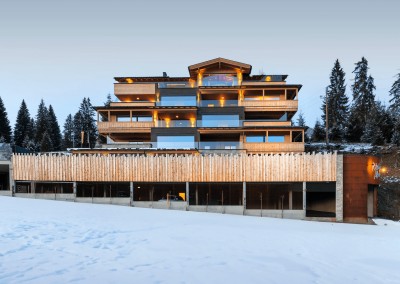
(219, 80)
(175, 142)
(276, 138)
(255, 138)
(123, 118)
(211, 120)
(177, 101)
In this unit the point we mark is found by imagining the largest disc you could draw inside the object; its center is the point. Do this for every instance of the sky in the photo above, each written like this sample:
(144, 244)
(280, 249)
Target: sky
(62, 51)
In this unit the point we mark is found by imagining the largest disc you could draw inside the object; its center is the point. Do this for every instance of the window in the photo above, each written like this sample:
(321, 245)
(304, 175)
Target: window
(175, 142)
(220, 80)
(143, 118)
(255, 138)
(276, 138)
(123, 118)
(178, 101)
(220, 120)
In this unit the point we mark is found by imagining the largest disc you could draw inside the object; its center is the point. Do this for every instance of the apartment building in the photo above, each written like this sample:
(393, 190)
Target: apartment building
(219, 106)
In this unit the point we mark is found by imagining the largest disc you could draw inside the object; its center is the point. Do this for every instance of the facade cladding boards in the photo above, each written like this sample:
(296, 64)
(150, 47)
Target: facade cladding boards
(357, 174)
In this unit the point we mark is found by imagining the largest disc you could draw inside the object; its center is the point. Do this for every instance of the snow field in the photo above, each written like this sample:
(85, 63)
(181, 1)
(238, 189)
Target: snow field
(60, 242)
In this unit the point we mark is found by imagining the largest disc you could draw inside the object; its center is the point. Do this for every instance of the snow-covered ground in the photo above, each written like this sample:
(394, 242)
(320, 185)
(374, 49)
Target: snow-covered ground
(59, 242)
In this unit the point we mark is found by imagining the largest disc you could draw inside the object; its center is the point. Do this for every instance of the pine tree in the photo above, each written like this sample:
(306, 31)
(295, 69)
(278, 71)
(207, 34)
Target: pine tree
(5, 128)
(372, 132)
(108, 101)
(23, 126)
(46, 144)
(338, 104)
(384, 120)
(42, 123)
(54, 130)
(300, 120)
(318, 133)
(84, 122)
(68, 139)
(395, 94)
(363, 101)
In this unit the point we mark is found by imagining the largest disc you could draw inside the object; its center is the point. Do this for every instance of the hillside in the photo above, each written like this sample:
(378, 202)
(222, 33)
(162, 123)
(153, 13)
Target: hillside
(60, 242)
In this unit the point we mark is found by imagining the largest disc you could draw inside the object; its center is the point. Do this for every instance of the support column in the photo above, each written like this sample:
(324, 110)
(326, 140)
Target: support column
(304, 198)
(339, 188)
(33, 187)
(10, 178)
(131, 191)
(187, 196)
(290, 199)
(244, 198)
(74, 189)
(197, 195)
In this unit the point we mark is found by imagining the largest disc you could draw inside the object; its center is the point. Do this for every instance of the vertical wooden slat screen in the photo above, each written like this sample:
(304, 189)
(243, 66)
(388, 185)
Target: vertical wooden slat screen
(177, 168)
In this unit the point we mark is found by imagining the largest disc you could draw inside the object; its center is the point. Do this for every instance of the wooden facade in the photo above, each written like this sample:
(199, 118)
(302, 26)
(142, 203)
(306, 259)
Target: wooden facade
(176, 168)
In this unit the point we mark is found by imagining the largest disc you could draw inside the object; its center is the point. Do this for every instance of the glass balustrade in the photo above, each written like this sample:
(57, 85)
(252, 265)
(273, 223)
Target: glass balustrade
(219, 123)
(176, 123)
(218, 103)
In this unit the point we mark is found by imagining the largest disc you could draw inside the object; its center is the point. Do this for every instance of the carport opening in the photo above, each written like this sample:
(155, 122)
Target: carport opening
(274, 196)
(215, 194)
(4, 176)
(321, 199)
(158, 191)
(98, 189)
(61, 188)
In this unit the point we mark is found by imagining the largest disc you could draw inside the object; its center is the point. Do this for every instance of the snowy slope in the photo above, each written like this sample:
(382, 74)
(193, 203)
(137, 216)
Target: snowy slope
(59, 242)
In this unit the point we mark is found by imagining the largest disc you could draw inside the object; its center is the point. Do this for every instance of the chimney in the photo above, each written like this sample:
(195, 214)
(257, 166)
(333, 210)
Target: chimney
(164, 74)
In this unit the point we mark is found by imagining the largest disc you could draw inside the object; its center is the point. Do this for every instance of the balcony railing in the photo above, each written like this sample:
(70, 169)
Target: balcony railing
(266, 122)
(274, 147)
(176, 123)
(176, 103)
(125, 126)
(271, 104)
(219, 123)
(218, 103)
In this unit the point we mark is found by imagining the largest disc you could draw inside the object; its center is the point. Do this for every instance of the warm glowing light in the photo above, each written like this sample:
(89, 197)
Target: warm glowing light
(177, 116)
(383, 170)
(192, 121)
(167, 121)
(129, 80)
(138, 98)
(268, 79)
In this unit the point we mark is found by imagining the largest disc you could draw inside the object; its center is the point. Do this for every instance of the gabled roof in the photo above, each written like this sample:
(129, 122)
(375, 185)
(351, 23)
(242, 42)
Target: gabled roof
(193, 69)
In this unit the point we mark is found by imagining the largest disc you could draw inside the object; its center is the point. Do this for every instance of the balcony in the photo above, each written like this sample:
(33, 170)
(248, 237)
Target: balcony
(272, 105)
(176, 123)
(219, 123)
(252, 123)
(272, 147)
(124, 127)
(133, 104)
(218, 103)
(134, 89)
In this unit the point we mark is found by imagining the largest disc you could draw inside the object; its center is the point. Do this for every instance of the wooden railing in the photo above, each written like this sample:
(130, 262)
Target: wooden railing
(266, 123)
(132, 104)
(174, 168)
(123, 126)
(270, 147)
(272, 104)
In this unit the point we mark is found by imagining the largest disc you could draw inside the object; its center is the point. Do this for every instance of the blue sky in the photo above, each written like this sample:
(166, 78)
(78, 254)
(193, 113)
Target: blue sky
(62, 51)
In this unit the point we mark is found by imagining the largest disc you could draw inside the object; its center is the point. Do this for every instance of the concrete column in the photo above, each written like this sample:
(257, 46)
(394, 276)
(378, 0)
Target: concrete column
(33, 187)
(339, 188)
(244, 197)
(11, 180)
(197, 195)
(131, 191)
(290, 200)
(304, 198)
(74, 186)
(187, 195)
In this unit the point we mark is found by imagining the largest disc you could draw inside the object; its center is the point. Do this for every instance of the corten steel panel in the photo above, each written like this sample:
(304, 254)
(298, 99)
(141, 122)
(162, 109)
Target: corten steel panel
(357, 174)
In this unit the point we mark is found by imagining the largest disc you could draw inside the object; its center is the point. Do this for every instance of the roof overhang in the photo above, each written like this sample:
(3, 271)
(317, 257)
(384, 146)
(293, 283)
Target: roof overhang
(218, 62)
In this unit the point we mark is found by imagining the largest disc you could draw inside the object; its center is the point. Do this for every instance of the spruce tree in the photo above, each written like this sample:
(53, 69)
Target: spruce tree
(300, 120)
(5, 128)
(54, 130)
(42, 123)
(373, 133)
(318, 132)
(68, 133)
(338, 104)
(84, 122)
(46, 144)
(23, 129)
(108, 101)
(363, 101)
(395, 94)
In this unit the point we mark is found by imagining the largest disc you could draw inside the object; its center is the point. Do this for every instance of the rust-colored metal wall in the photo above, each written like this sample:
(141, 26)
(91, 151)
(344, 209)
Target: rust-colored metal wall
(358, 172)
